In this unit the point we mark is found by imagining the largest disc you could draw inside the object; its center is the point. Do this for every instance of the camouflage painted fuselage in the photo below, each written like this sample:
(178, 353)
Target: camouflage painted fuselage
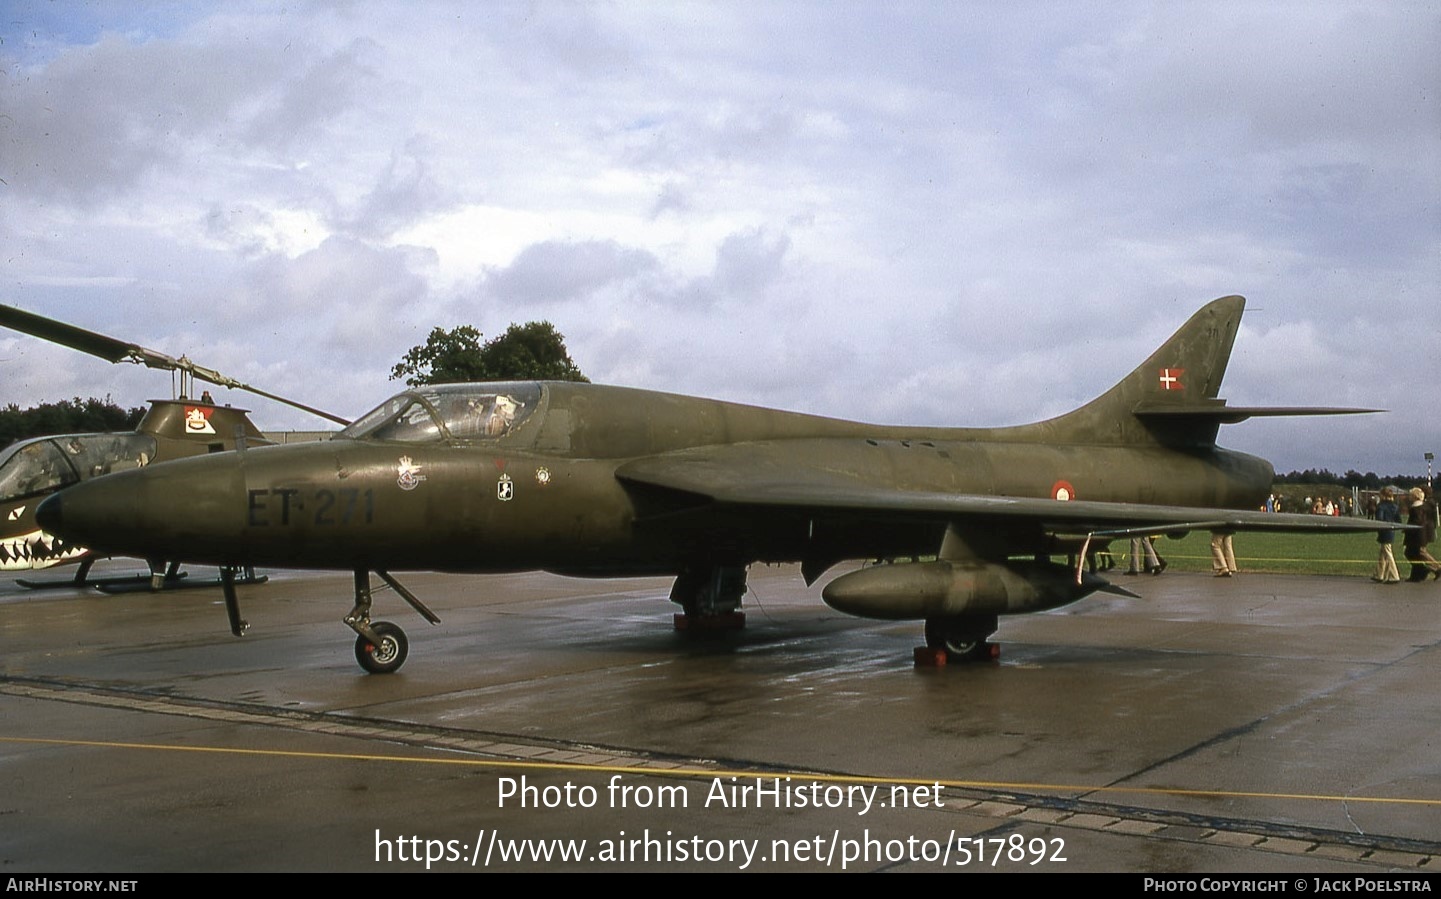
(581, 485)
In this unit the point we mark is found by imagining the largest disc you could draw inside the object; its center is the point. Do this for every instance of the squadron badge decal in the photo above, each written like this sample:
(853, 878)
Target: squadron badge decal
(542, 476)
(197, 420)
(505, 489)
(408, 474)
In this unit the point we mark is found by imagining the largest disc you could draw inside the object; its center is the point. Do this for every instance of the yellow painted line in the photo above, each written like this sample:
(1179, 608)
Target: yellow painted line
(1279, 559)
(642, 771)
(1311, 560)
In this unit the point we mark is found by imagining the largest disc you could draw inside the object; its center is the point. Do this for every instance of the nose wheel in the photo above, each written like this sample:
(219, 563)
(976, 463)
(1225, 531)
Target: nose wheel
(381, 647)
(385, 652)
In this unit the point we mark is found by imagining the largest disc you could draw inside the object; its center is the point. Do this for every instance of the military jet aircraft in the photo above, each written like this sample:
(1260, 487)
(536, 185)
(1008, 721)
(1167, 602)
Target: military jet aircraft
(583, 479)
(31, 470)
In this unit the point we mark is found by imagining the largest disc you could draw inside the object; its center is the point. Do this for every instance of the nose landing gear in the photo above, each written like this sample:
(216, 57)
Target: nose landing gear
(381, 647)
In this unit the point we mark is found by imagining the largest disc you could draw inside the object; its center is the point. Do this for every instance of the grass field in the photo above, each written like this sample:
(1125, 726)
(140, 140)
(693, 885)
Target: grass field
(1346, 554)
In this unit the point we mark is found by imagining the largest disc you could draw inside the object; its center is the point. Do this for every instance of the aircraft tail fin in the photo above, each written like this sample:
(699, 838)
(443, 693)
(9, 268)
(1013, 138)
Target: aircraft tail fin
(1171, 399)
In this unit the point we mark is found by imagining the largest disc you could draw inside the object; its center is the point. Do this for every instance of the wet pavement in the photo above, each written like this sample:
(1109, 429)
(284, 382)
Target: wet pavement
(1262, 723)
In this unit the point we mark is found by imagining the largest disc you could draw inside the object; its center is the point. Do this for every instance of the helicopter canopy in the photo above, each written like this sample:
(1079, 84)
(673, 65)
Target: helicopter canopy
(45, 464)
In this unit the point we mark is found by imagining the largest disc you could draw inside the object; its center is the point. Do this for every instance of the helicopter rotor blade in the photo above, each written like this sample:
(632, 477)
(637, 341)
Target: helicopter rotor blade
(107, 348)
(112, 350)
(212, 376)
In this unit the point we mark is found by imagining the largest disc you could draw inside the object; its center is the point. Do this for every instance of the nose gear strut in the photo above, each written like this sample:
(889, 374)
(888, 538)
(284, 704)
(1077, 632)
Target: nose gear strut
(381, 647)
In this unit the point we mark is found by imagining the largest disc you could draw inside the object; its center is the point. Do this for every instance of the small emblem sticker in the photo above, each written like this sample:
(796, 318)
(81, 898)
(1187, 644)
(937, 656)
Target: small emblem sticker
(505, 489)
(197, 420)
(1063, 491)
(408, 474)
(542, 476)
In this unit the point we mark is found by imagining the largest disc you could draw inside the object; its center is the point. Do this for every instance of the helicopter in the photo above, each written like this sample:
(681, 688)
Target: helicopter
(31, 470)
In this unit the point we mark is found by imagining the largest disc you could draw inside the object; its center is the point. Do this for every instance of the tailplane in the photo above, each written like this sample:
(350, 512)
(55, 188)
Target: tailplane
(1171, 399)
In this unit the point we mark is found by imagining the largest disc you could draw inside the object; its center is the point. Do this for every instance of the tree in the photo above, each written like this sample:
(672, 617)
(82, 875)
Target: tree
(75, 416)
(532, 351)
(446, 357)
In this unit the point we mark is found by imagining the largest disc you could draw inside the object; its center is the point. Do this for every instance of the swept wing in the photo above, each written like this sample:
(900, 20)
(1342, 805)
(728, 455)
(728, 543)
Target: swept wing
(723, 477)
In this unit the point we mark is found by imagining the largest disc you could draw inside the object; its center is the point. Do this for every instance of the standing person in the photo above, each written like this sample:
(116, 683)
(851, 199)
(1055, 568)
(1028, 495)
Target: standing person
(1417, 540)
(1101, 558)
(1223, 554)
(1155, 554)
(1154, 563)
(1386, 510)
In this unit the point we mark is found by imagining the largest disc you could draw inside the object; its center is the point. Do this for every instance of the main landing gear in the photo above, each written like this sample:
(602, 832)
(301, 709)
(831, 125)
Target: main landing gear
(380, 646)
(711, 598)
(957, 640)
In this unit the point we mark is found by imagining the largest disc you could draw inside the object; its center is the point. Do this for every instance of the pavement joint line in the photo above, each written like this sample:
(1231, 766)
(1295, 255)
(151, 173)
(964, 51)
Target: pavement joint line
(1387, 857)
(1233, 838)
(1285, 846)
(1135, 827)
(1338, 852)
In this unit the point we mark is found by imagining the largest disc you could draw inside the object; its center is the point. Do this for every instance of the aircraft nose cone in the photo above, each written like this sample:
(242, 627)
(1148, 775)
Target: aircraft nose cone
(88, 510)
(182, 509)
(48, 514)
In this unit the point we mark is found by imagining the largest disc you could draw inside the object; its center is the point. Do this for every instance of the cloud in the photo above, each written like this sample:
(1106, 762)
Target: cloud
(97, 119)
(931, 215)
(747, 262)
(559, 271)
(405, 192)
(291, 114)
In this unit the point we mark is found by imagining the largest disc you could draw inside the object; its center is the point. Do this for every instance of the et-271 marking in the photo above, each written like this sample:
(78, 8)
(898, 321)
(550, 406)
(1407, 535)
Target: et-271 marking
(329, 507)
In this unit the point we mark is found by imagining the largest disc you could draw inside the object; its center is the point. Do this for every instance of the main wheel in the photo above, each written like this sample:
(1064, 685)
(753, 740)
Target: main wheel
(386, 656)
(956, 638)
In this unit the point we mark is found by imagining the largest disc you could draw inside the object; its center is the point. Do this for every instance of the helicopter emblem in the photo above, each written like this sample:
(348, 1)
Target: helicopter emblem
(197, 420)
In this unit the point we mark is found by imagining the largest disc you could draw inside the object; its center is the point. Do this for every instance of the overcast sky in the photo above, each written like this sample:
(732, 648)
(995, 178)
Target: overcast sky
(925, 213)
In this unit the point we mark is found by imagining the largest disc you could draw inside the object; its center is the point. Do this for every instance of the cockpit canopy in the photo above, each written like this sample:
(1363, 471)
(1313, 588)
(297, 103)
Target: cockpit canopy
(449, 412)
(45, 464)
